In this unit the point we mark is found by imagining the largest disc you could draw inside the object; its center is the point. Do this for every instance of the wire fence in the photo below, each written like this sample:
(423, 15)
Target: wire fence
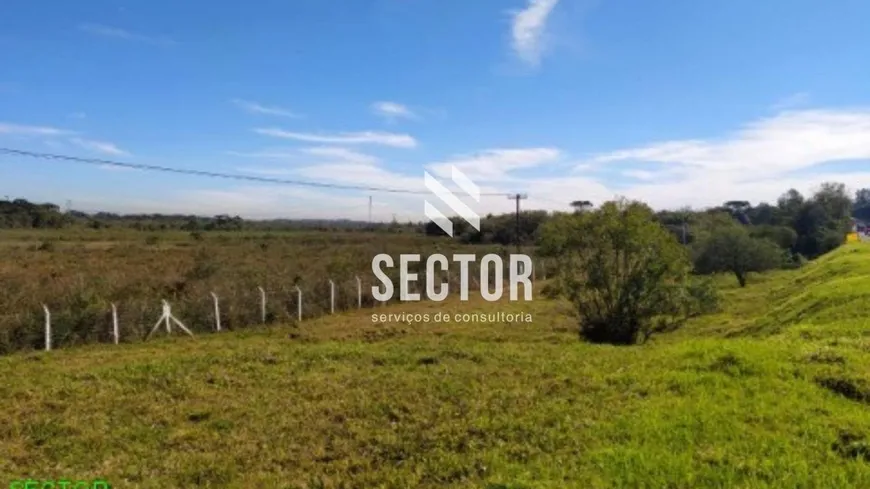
(63, 323)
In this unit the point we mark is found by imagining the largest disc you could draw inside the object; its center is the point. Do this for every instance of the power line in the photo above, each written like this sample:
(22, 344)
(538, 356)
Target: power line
(202, 173)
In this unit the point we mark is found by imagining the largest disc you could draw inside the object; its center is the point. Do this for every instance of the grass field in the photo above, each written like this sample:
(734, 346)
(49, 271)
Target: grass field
(78, 273)
(771, 392)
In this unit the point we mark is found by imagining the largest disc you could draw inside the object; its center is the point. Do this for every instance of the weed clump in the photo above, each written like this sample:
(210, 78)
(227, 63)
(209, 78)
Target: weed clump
(852, 445)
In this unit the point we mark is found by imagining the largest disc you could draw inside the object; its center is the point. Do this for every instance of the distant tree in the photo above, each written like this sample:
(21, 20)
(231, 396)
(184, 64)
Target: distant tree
(822, 221)
(581, 205)
(739, 209)
(732, 249)
(784, 236)
(861, 209)
(624, 272)
(837, 202)
(765, 214)
(790, 203)
(738, 205)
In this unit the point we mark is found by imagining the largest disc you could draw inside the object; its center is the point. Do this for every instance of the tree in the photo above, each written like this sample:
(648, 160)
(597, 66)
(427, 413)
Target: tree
(790, 203)
(837, 202)
(733, 250)
(861, 208)
(581, 205)
(624, 272)
(784, 236)
(765, 214)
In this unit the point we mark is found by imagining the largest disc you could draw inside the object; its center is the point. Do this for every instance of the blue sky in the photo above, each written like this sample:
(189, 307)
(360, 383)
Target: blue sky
(674, 103)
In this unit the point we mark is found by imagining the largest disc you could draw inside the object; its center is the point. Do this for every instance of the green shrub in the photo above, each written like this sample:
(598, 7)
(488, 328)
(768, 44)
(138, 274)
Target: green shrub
(625, 273)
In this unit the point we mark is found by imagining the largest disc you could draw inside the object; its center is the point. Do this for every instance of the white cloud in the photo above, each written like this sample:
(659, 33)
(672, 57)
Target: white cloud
(639, 174)
(529, 26)
(24, 130)
(99, 147)
(256, 108)
(392, 111)
(115, 32)
(496, 164)
(117, 168)
(756, 163)
(362, 175)
(265, 171)
(364, 137)
(769, 147)
(266, 154)
(341, 154)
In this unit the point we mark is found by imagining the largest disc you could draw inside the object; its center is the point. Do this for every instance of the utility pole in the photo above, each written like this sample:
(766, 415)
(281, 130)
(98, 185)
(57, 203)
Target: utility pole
(370, 210)
(517, 198)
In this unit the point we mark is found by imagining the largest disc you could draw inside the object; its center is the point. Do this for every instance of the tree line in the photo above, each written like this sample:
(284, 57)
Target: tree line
(802, 227)
(805, 226)
(21, 213)
(631, 272)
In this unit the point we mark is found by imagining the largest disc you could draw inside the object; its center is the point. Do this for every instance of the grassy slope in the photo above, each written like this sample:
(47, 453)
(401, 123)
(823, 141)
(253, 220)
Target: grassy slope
(770, 393)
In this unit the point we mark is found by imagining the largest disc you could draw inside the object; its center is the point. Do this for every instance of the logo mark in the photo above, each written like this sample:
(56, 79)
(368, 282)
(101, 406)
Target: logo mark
(451, 200)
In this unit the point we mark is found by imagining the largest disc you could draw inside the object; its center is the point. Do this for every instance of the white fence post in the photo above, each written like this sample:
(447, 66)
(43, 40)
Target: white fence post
(262, 305)
(358, 293)
(217, 312)
(331, 297)
(299, 303)
(47, 328)
(115, 323)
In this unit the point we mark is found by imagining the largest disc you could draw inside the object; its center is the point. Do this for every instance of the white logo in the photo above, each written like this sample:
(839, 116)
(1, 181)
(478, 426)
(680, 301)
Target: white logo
(452, 201)
(491, 276)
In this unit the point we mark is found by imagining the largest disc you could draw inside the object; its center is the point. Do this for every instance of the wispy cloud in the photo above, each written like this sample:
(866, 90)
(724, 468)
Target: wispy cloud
(496, 164)
(266, 171)
(25, 130)
(101, 147)
(118, 33)
(757, 162)
(528, 30)
(786, 142)
(341, 154)
(77, 115)
(266, 154)
(256, 108)
(117, 168)
(639, 174)
(792, 101)
(363, 137)
(392, 111)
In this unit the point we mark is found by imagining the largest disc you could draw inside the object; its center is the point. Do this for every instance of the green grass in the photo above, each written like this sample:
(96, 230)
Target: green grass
(734, 400)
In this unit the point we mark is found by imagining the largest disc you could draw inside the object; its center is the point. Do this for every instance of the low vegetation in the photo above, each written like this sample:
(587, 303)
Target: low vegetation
(79, 273)
(348, 402)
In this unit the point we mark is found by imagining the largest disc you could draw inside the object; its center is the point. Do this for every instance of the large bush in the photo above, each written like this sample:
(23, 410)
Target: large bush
(627, 276)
